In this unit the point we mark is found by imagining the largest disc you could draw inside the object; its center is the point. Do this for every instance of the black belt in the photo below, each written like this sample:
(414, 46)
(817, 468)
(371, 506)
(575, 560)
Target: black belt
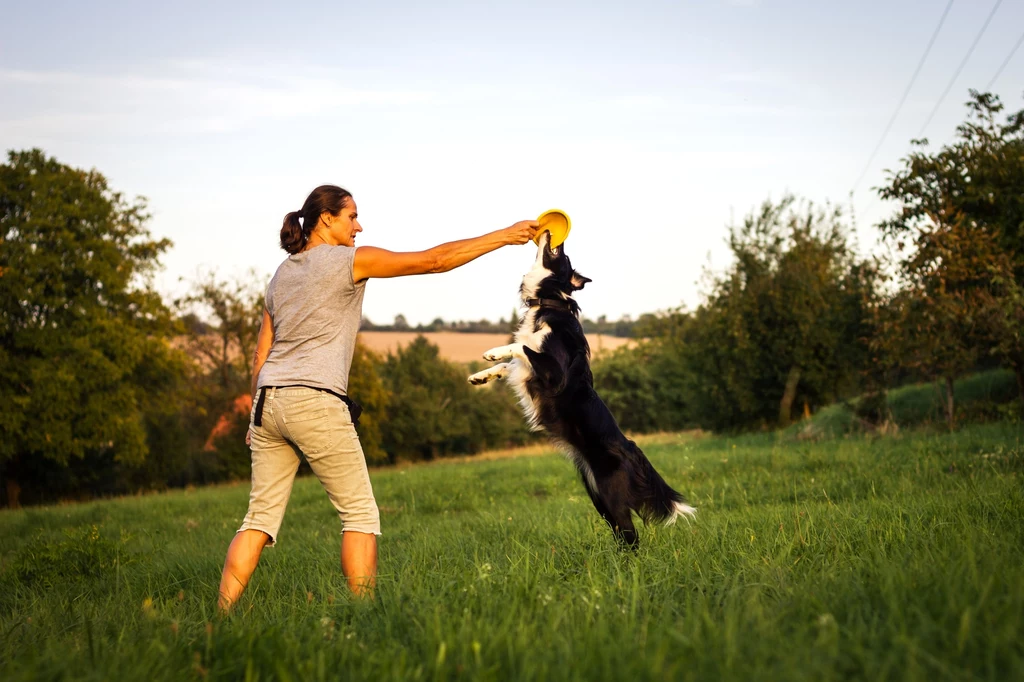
(354, 408)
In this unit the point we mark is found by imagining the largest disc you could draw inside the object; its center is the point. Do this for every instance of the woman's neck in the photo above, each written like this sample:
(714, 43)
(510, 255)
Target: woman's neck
(316, 240)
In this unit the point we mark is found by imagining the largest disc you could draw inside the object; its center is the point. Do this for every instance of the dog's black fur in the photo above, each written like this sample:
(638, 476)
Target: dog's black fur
(557, 393)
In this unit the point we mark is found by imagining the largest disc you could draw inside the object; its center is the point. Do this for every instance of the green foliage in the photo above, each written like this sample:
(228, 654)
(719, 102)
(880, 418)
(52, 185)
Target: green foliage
(785, 326)
(643, 386)
(959, 236)
(796, 295)
(979, 176)
(367, 387)
(859, 558)
(624, 380)
(78, 317)
(983, 397)
(434, 412)
(225, 321)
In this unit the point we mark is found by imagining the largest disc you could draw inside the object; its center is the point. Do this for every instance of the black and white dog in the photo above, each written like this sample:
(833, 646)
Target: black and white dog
(549, 368)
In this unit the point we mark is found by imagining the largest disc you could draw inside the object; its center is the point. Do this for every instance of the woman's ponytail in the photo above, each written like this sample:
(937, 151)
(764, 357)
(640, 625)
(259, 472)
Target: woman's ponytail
(293, 239)
(299, 225)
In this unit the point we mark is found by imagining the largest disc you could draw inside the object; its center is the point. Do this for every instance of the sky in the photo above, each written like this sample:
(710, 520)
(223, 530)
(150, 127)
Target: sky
(654, 125)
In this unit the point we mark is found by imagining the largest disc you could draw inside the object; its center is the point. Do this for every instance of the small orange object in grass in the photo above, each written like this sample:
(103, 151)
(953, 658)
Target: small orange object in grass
(557, 223)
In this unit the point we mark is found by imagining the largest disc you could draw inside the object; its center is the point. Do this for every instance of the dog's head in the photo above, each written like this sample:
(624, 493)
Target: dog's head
(552, 275)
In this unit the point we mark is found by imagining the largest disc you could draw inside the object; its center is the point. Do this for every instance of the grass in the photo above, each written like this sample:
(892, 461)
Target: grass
(895, 558)
(984, 396)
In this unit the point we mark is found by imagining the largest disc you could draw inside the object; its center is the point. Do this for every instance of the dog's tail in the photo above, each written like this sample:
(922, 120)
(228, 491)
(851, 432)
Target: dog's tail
(656, 500)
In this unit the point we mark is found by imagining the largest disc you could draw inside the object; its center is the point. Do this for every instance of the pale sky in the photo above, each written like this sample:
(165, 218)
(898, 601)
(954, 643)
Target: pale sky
(653, 124)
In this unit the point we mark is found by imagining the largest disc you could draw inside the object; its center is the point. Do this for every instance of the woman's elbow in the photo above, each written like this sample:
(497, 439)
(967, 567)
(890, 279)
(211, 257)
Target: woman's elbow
(439, 262)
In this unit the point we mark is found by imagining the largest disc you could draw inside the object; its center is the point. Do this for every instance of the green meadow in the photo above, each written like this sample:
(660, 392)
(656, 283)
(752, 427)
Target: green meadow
(856, 557)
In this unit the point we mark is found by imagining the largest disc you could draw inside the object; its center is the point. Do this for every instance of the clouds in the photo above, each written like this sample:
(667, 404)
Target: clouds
(180, 99)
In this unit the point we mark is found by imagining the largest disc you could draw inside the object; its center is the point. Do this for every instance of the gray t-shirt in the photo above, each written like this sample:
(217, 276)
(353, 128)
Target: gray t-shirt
(316, 308)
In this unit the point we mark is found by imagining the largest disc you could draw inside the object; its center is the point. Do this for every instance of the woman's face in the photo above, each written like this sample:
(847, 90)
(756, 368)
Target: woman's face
(343, 228)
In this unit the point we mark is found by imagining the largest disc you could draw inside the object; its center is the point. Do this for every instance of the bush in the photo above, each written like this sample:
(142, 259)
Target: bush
(434, 412)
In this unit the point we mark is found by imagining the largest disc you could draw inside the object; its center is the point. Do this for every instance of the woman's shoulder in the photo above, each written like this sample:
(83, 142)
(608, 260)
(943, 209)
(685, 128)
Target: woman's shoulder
(327, 255)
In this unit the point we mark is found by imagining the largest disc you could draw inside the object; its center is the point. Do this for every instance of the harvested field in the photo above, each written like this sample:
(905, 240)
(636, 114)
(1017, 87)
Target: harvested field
(460, 347)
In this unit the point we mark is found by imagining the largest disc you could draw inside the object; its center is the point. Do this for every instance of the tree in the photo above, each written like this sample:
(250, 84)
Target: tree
(979, 177)
(627, 385)
(429, 415)
(959, 236)
(225, 320)
(784, 325)
(78, 318)
(367, 387)
(434, 412)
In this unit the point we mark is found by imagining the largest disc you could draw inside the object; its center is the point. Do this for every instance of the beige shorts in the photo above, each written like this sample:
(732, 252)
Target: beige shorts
(317, 424)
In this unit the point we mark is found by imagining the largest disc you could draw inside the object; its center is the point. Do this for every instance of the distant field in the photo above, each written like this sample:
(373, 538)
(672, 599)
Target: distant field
(457, 347)
(857, 558)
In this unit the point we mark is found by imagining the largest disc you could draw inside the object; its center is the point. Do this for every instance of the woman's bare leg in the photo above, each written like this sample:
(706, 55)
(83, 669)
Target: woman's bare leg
(243, 555)
(359, 562)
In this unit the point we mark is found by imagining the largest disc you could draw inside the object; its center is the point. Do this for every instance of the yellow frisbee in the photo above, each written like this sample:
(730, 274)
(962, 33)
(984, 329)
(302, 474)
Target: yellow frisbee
(557, 223)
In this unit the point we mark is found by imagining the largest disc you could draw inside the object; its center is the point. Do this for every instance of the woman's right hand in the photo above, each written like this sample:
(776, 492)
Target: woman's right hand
(521, 232)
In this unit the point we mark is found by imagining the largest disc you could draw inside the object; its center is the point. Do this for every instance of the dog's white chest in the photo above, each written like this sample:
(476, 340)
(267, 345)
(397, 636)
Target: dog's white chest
(521, 372)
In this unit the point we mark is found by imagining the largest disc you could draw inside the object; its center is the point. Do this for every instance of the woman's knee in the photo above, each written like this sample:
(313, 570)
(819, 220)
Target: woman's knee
(361, 518)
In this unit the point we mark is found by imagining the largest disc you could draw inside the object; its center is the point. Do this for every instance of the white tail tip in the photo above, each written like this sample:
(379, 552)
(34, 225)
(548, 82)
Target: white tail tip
(680, 509)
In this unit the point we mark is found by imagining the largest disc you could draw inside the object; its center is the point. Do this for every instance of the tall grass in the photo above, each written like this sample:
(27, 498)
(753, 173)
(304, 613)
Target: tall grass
(882, 558)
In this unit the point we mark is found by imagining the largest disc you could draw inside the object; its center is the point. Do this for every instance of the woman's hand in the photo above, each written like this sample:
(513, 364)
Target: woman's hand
(521, 232)
(248, 437)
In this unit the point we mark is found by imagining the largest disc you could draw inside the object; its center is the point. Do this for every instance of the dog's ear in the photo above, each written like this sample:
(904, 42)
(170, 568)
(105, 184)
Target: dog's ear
(578, 280)
(546, 368)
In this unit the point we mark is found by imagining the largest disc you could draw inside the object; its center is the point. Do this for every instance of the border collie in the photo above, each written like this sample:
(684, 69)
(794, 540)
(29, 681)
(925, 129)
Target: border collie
(548, 366)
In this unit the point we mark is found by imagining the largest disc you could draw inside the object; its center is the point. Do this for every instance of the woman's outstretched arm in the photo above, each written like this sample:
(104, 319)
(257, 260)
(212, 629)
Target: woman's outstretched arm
(373, 262)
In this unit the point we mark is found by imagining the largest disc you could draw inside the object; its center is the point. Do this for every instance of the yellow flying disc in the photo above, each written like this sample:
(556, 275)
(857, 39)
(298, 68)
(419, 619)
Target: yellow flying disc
(557, 223)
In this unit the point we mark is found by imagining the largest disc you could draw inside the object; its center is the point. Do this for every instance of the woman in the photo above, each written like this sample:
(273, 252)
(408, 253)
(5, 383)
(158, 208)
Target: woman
(300, 377)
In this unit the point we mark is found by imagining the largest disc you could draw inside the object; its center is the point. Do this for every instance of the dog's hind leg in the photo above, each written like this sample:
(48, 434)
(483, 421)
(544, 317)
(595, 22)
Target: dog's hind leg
(613, 509)
(619, 517)
(490, 374)
(621, 521)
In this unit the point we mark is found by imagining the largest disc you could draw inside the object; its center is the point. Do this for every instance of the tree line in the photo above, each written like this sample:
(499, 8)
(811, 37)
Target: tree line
(623, 327)
(110, 389)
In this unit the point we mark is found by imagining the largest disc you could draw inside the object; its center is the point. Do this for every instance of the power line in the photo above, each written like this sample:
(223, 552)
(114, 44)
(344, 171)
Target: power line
(970, 51)
(1005, 62)
(903, 99)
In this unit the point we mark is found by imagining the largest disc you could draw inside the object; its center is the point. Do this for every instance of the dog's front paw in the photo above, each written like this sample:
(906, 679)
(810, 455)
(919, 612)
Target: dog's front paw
(497, 354)
(479, 378)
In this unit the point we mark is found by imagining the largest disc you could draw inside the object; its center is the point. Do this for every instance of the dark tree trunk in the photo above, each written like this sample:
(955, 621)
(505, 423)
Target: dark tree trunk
(13, 487)
(13, 493)
(788, 396)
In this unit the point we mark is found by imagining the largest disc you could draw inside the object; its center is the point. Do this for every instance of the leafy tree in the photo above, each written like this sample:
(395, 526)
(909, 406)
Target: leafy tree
(223, 320)
(434, 412)
(367, 387)
(979, 176)
(784, 325)
(78, 318)
(626, 383)
(958, 297)
(428, 416)
(959, 239)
